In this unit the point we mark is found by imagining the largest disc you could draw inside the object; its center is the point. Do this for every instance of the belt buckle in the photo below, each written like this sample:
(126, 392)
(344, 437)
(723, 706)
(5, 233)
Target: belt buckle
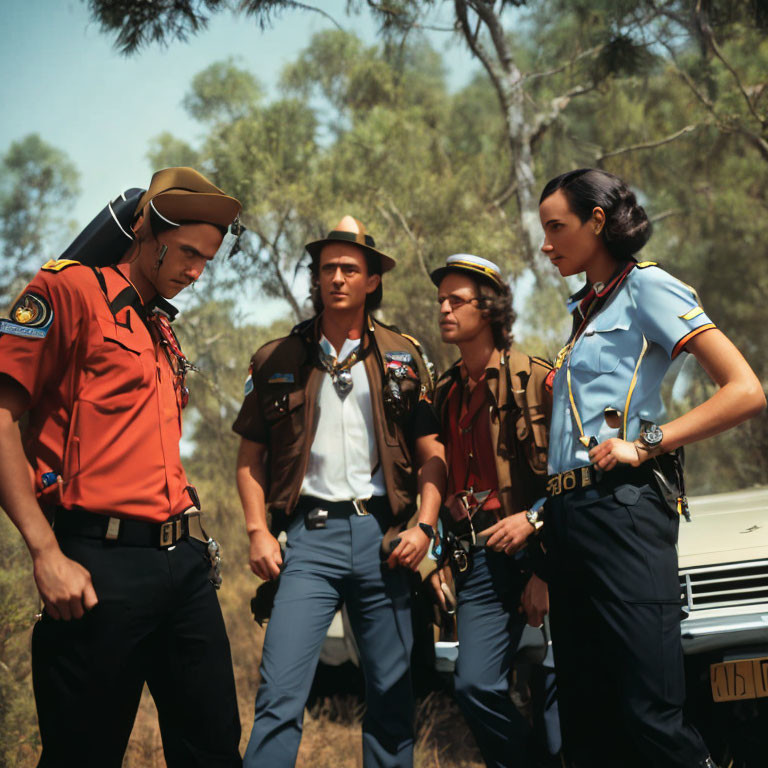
(170, 532)
(360, 507)
(555, 485)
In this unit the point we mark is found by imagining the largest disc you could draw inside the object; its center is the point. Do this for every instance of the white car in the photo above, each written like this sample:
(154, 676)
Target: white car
(723, 563)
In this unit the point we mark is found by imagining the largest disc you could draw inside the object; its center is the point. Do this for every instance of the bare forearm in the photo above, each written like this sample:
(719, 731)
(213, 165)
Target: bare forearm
(739, 397)
(17, 496)
(729, 406)
(431, 479)
(251, 485)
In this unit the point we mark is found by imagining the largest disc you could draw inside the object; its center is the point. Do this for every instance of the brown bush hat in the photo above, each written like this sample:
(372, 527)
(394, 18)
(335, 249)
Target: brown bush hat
(183, 194)
(351, 230)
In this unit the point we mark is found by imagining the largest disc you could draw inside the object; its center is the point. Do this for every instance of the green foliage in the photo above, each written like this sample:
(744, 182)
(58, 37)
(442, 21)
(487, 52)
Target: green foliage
(38, 186)
(166, 151)
(138, 23)
(222, 92)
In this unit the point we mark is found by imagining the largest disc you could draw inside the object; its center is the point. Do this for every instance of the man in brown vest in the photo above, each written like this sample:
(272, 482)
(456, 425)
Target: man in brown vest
(494, 409)
(338, 435)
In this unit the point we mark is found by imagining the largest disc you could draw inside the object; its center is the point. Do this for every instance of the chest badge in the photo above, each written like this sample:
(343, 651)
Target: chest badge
(281, 378)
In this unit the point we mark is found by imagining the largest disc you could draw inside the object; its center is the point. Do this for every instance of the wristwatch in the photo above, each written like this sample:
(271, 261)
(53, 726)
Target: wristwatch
(428, 530)
(532, 514)
(651, 435)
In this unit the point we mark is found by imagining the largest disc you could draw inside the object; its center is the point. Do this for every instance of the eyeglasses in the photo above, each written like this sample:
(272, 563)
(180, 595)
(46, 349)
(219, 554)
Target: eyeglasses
(455, 302)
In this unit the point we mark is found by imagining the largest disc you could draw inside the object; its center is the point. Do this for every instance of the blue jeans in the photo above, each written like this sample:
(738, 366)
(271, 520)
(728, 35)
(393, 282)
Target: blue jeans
(323, 568)
(489, 629)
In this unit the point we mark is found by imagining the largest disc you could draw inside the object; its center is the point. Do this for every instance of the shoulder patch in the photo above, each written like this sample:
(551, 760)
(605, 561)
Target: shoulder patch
(644, 264)
(56, 265)
(30, 316)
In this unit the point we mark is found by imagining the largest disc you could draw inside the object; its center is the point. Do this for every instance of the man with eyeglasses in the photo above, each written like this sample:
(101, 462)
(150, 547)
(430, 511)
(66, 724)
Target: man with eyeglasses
(338, 436)
(494, 407)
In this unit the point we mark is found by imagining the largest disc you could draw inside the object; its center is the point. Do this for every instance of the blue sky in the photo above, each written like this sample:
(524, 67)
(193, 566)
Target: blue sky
(64, 80)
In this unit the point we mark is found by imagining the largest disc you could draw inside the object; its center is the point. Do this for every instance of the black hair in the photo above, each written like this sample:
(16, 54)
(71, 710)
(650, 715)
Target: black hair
(372, 300)
(496, 301)
(627, 227)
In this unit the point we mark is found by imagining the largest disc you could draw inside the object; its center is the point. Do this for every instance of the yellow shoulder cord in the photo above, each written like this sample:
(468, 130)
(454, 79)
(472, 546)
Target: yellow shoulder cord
(623, 434)
(583, 439)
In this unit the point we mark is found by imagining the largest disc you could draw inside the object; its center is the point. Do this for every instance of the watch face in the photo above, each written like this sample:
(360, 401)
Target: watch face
(651, 435)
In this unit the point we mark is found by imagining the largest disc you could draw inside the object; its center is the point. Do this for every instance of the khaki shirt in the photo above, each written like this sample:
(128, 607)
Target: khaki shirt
(279, 410)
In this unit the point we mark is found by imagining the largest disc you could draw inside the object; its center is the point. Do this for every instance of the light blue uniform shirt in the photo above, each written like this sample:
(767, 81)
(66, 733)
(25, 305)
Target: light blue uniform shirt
(649, 304)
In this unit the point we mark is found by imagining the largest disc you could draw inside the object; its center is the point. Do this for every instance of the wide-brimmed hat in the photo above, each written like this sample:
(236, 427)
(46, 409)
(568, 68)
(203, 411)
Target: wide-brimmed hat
(351, 230)
(474, 265)
(183, 194)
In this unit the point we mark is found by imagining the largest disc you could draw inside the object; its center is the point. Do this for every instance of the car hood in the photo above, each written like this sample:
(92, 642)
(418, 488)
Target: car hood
(725, 528)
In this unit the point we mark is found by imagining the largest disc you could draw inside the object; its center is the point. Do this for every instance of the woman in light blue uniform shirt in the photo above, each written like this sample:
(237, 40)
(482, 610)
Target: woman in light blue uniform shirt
(611, 525)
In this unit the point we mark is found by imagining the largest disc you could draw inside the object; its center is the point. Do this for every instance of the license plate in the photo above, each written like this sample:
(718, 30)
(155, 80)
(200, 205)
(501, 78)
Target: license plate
(741, 679)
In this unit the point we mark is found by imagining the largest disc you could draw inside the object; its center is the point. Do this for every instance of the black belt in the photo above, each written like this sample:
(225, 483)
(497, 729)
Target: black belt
(316, 511)
(586, 477)
(132, 533)
(373, 506)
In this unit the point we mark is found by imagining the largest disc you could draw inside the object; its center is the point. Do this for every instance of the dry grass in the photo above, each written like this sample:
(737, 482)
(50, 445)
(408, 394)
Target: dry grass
(332, 735)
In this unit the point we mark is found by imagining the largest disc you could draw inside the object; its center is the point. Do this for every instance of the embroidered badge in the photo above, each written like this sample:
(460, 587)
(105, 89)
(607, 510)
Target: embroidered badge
(30, 316)
(249, 381)
(400, 357)
(281, 378)
(401, 370)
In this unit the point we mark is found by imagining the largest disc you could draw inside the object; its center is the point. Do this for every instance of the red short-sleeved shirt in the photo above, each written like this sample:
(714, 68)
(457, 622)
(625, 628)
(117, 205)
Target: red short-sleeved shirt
(470, 450)
(105, 411)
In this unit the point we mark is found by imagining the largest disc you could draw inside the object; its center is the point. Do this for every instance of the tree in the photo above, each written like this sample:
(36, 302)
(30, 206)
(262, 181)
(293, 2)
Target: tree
(38, 186)
(670, 94)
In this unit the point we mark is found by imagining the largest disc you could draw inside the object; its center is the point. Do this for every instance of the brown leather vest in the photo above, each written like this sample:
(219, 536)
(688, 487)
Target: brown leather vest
(286, 378)
(520, 411)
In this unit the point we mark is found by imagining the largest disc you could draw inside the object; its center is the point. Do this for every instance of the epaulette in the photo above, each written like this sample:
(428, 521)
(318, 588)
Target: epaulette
(644, 264)
(56, 265)
(542, 362)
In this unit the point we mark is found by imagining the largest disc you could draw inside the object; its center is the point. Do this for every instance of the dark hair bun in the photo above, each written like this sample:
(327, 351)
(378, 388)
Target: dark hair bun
(627, 227)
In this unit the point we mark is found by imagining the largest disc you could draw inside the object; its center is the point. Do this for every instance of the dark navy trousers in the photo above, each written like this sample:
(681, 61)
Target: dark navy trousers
(489, 629)
(157, 621)
(323, 568)
(615, 620)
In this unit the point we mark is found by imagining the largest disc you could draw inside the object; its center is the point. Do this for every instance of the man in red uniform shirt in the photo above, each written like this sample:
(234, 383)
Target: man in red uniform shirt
(89, 354)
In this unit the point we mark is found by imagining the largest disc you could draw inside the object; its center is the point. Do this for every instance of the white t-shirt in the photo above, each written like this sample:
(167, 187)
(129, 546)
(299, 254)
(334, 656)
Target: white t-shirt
(344, 450)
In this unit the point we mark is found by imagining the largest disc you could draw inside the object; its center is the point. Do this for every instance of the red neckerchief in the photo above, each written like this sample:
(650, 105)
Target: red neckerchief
(176, 358)
(592, 301)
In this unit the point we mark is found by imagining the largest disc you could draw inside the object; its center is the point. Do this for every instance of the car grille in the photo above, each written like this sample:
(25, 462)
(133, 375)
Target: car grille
(723, 586)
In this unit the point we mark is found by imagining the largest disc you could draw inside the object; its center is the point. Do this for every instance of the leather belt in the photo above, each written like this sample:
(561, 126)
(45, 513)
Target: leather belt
(129, 532)
(572, 480)
(586, 477)
(372, 506)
